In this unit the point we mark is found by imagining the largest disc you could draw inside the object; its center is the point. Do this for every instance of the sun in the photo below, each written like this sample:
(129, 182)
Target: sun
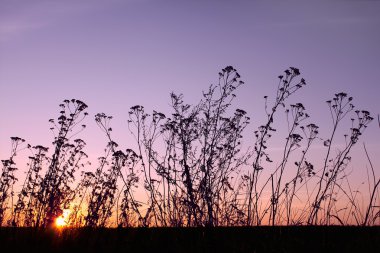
(62, 221)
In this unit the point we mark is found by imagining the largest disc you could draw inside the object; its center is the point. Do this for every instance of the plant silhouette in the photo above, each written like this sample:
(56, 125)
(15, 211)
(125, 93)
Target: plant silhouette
(190, 168)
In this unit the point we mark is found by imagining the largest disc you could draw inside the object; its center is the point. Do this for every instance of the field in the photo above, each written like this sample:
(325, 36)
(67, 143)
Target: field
(125, 128)
(222, 239)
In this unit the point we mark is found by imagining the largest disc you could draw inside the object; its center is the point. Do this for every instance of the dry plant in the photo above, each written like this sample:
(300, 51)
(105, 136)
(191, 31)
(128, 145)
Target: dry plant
(190, 168)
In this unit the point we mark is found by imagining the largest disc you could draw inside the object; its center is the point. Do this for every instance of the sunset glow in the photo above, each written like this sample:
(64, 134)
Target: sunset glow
(62, 220)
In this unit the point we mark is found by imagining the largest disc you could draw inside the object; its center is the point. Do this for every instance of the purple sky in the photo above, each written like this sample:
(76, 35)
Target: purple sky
(115, 54)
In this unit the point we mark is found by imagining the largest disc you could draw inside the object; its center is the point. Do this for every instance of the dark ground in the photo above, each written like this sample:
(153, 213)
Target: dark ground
(242, 239)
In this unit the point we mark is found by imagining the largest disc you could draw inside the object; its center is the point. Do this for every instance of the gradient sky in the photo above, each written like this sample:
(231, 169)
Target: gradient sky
(114, 54)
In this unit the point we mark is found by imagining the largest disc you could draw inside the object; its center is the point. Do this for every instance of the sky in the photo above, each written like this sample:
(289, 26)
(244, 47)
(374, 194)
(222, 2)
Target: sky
(115, 54)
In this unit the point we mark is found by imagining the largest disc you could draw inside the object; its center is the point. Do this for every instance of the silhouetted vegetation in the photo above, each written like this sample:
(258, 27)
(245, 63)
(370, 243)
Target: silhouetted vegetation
(190, 168)
(220, 239)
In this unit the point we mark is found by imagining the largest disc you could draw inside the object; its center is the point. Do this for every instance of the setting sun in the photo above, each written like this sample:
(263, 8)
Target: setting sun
(62, 220)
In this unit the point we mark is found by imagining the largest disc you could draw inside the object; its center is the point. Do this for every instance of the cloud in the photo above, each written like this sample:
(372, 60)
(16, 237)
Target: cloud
(319, 14)
(328, 21)
(21, 17)
(10, 30)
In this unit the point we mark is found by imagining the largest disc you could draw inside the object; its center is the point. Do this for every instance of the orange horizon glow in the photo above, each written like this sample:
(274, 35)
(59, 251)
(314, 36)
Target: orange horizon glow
(62, 221)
